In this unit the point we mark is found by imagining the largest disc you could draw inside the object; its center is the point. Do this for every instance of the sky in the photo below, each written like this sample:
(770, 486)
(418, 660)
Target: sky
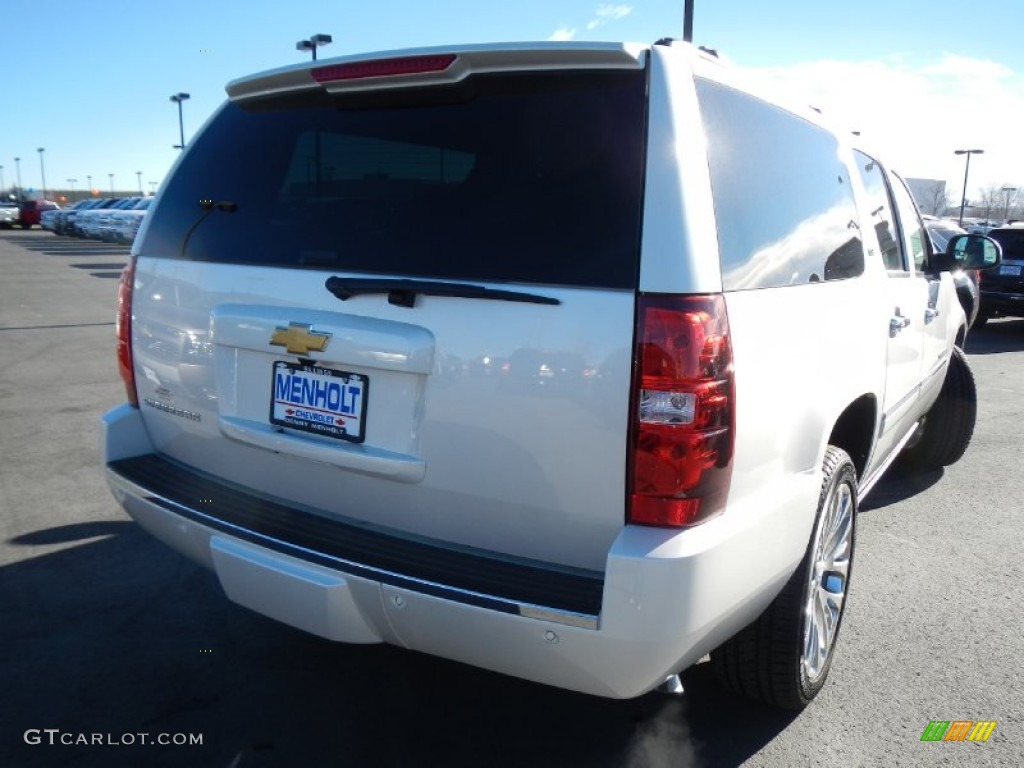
(91, 82)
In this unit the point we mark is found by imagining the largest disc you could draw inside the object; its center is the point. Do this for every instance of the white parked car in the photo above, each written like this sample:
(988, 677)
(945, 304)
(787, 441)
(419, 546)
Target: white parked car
(124, 224)
(97, 223)
(47, 219)
(567, 360)
(8, 214)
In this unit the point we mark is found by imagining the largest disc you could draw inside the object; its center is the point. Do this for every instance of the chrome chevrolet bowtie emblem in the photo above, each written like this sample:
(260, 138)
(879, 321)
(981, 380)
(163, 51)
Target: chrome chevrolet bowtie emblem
(299, 338)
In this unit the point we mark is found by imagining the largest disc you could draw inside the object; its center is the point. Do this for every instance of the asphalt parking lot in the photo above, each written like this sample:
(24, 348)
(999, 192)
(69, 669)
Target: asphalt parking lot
(105, 631)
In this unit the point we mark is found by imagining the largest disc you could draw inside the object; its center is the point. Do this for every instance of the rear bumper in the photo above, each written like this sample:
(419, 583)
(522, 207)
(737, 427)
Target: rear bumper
(665, 599)
(1002, 303)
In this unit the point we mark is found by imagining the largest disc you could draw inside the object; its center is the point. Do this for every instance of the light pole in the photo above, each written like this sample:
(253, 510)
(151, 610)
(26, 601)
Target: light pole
(111, 184)
(152, 188)
(17, 167)
(72, 182)
(2, 186)
(139, 174)
(180, 97)
(967, 170)
(42, 170)
(313, 43)
(89, 182)
(1006, 211)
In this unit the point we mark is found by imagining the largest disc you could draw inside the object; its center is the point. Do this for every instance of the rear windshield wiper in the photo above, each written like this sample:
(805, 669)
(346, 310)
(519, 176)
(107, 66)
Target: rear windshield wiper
(207, 207)
(403, 293)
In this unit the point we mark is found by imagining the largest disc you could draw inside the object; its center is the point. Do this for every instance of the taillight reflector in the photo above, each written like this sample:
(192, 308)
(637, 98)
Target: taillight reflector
(683, 408)
(123, 327)
(406, 65)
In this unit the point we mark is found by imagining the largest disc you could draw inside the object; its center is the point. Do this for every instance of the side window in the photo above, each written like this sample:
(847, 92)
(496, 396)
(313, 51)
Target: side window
(784, 207)
(910, 223)
(880, 208)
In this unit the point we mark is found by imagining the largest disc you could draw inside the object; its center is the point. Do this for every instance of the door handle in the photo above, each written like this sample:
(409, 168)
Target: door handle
(897, 323)
(930, 315)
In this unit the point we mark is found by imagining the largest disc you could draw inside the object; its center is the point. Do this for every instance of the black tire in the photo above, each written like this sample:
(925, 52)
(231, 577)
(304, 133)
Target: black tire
(949, 424)
(768, 660)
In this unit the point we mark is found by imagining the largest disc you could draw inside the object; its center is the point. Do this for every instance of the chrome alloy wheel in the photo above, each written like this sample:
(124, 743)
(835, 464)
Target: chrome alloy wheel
(827, 580)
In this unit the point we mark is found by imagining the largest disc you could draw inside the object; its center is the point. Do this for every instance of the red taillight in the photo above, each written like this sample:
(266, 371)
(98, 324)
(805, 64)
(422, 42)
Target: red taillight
(124, 332)
(406, 65)
(683, 406)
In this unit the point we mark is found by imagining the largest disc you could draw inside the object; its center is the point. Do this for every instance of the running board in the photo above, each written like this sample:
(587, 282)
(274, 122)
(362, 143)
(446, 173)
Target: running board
(868, 484)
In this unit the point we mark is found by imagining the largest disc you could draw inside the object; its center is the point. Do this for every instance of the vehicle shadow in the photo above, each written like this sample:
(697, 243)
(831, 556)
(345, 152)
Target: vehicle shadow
(898, 484)
(68, 246)
(106, 631)
(1005, 335)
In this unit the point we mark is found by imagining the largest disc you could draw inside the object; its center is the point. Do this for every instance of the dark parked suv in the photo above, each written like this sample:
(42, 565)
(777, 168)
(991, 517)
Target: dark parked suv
(1002, 290)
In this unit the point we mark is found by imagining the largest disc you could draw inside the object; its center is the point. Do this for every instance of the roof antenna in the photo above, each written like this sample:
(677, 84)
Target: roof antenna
(688, 21)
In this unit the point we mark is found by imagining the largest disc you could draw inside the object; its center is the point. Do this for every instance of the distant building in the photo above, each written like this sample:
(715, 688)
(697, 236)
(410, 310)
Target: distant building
(930, 195)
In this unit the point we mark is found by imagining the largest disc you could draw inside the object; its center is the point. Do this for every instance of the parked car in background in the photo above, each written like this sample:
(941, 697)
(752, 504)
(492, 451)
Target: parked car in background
(940, 231)
(124, 225)
(9, 214)
(62, 218)
(31, 211)
(95, 224)
(86, 220)
(1002, 289)
(48, 219)
(982, 227)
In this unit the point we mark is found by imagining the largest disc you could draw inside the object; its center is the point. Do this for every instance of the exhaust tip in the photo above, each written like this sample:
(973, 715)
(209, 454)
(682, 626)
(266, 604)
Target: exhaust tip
(672, 686)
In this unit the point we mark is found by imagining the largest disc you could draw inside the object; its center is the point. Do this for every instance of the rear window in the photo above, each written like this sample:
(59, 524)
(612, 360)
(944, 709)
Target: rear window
(1012, 241)
(528, 178)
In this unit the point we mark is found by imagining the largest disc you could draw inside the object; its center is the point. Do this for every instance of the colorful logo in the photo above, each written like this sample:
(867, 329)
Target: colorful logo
(300, 338)
(958, 730)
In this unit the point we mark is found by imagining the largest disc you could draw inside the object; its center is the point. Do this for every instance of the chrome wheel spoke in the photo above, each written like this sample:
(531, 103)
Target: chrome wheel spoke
(841, 520)
(831, 606)
(819, 650)
(811, 638)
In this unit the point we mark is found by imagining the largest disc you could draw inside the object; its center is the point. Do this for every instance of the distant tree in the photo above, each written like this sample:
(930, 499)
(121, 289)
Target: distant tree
(992, 200)
(936, 201)
(1013, 201)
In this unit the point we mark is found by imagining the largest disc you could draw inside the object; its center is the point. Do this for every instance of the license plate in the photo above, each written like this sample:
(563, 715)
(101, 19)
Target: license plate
(319, 400)
(1009, 269)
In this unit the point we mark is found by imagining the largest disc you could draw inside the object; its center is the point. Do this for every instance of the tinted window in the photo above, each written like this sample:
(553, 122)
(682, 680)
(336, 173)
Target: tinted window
(528, 178)
(1012, 241)
(783, 203)
(910, 223)
(880, 208)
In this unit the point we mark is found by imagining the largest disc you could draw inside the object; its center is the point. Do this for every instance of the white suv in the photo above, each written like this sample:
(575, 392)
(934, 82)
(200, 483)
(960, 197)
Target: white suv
(569, 361)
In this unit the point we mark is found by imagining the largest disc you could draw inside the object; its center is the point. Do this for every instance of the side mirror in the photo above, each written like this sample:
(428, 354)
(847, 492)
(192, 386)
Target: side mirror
(974, 252)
